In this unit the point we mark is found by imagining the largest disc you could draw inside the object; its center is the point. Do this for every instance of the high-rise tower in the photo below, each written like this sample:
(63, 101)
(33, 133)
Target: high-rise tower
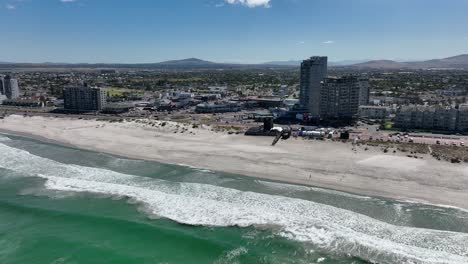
(313, 72)
(10, 87)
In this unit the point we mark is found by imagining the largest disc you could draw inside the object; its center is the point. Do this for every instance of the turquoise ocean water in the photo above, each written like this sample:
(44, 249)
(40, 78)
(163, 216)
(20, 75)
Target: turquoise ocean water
(64, 205)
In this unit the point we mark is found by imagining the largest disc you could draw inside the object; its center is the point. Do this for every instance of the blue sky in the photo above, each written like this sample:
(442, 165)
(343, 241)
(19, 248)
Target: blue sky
(247, 31)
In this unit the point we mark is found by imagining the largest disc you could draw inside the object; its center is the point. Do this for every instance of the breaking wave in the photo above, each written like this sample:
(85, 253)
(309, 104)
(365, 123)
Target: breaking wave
(4, 139)
(328, 228)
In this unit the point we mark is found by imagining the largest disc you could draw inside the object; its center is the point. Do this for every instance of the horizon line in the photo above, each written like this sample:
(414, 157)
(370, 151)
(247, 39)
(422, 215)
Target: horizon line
(227, 62)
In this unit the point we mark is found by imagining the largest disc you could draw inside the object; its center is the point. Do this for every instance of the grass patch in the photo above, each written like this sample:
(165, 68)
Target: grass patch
(178, 117)
(118, 92)
(388, 125)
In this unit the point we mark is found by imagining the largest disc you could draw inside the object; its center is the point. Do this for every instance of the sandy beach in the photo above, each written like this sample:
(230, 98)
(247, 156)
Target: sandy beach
(333, 165)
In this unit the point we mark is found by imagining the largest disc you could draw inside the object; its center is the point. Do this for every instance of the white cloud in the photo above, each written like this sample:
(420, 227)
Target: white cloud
(329, 42)
(301, 42)
(250, 3)
(10, 7)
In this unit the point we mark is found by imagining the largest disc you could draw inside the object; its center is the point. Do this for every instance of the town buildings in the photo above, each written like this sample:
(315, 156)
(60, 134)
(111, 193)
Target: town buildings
(9, 87)
(217, 108)
(432, 118)
(333, 97)
(364, 92)
(83, 98)
(313, 72)
(23, 102)
(178, 95)
(2, 85)
(339, 97)
(374, 112)
(463, 118)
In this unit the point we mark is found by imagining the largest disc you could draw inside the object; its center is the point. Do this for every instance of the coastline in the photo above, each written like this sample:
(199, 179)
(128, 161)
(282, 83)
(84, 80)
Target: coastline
(330, 165)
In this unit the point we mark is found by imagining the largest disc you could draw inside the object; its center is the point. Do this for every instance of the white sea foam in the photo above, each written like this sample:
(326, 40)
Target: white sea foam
(232, 255)
(435, 205)
(327, 227)
(4, 138)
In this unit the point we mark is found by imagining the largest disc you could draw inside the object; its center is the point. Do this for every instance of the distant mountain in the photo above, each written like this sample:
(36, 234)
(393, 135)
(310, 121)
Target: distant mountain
(456, 62)
(185, 64)
(346, 62)
(190, 61)
(379, 64)
(284, 63)
(298, 62)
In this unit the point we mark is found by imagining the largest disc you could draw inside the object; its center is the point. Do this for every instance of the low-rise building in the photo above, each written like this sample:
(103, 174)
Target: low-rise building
(178, 95)
(217, 108)
(445, 118)
(268, 102)
(427, 117)
(118, 108)
(463, 118)
(374, 112)
(23, 102)
(451, 92)
(218, 90)
(290, 103)
(208, 97)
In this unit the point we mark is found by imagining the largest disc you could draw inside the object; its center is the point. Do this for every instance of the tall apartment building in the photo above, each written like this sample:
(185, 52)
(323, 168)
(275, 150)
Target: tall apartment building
(313, 72)
(340, 97)
(9, 87)
(364, 92)
(2, 85)
(84, 98)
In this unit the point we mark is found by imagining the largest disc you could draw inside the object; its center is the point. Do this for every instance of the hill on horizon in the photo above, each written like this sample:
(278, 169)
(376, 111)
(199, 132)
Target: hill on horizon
(330, 63)
(189, 61)
(454, 62)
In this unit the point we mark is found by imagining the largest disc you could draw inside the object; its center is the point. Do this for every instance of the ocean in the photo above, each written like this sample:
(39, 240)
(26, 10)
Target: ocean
(64, 205)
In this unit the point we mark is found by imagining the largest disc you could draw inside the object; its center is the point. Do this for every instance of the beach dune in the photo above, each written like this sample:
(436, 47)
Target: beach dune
(333, 165)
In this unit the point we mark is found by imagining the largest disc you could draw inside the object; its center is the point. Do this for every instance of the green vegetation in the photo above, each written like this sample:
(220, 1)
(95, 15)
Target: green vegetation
(118, 92)
(453, 154)
(387, 125)
(177, 117)
(236, 128)
(206, 119)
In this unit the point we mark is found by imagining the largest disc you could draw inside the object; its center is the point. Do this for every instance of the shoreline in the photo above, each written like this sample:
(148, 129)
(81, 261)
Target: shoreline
(46, 140)
(330, 165)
